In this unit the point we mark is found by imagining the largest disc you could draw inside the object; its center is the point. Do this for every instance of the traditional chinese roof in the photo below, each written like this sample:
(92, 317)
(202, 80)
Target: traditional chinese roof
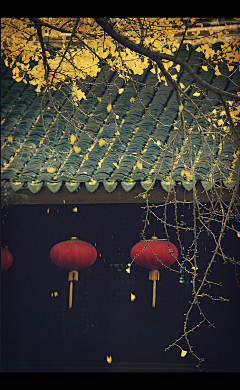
(124, 144)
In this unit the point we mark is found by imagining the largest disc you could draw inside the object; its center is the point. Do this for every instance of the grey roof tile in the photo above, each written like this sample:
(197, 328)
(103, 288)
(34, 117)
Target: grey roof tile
(136, 130)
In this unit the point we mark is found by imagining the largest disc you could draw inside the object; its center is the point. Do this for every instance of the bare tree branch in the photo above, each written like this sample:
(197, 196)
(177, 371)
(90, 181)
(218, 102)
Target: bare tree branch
(156, 55)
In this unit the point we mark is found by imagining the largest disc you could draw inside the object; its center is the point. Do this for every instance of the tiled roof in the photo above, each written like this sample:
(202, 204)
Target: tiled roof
(125, 144)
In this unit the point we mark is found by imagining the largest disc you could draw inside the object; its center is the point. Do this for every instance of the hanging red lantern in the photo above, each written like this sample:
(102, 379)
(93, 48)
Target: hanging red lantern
(6, 259)
(154, 254)
(73, 255)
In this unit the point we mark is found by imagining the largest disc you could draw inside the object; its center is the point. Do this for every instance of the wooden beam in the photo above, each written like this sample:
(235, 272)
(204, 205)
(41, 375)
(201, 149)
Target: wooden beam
(119, 195)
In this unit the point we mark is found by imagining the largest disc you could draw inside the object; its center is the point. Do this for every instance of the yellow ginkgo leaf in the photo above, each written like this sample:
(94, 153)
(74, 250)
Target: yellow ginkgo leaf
(217, 72)
(54, 294)
(109, 359)
(51, 169)
(132, 100)
(48, 210)
(194, 268)
(75, 210)
(109, 107)
(205, 68)
(77, 149)
(183, 353)
(133, 297)
(120, 90)
(238, 234)
(101, 142)
(10, 139)
(128, 270)
(73, 138)
(180, 108)
(196, 94)
(139, 165)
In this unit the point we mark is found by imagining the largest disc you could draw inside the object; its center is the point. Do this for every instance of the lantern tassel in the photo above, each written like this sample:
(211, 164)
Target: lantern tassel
(154, 293)
(73, 275)
(154, 276)
(70, 294)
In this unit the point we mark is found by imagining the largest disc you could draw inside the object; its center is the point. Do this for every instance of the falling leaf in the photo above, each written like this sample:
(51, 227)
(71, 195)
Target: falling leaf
(109, 107)
(109, 359)
(196, 94)
(75, 210)
(48, 210)
(51, 169)
(205, 68)
(64, 201)
(133, 297)
(73, 138)
(101, 142)
(139, 165)
(10, 139)
(132, 100)
(77, 149)
(54, 294)
(183, 353)
(120, 90)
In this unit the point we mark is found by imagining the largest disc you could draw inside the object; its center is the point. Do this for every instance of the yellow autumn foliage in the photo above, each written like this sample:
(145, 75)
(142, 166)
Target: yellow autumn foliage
(21, 47)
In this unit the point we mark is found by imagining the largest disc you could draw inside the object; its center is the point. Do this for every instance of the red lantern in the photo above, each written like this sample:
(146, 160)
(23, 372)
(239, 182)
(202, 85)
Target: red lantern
(6, 259)
(154, 254)
(73, 255)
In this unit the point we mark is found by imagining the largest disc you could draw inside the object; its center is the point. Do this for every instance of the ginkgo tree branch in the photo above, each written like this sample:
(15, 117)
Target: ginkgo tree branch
(234, 131)
(39, 32)
(156, 56)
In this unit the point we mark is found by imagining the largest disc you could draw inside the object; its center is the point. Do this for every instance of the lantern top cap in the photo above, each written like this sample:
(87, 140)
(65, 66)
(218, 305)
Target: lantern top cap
(155, 238)
(74, 238)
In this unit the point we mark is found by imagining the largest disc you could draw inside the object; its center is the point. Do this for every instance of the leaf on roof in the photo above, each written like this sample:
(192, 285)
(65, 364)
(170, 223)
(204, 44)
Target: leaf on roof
(51, 169)
(101, 142)
(73, 139)
(10, 139)
(77, 149)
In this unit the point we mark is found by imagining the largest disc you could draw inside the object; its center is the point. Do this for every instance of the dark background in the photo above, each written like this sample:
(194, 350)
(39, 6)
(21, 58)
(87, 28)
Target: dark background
(39, 330)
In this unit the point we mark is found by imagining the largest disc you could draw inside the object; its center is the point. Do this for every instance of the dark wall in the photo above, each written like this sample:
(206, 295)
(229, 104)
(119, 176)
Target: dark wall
(38, 328)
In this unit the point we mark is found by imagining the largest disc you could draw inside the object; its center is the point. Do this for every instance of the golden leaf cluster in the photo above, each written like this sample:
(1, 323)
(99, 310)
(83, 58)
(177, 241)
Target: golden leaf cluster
(22, 51)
